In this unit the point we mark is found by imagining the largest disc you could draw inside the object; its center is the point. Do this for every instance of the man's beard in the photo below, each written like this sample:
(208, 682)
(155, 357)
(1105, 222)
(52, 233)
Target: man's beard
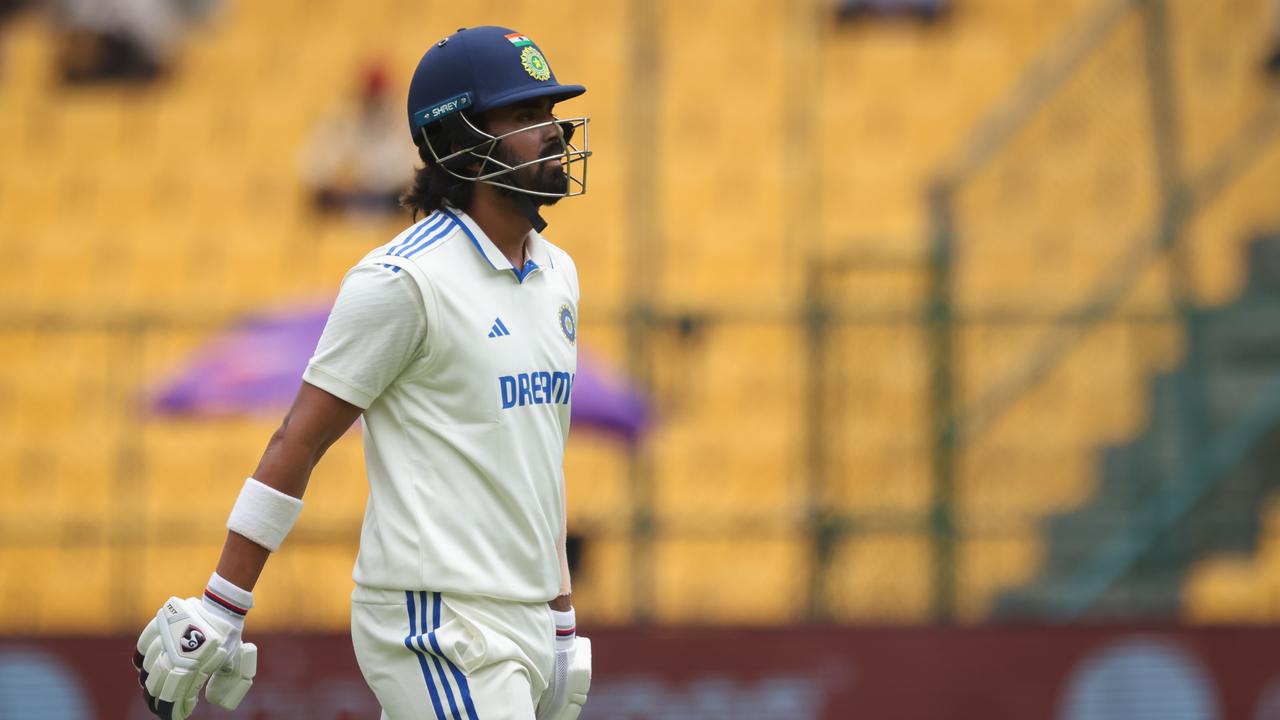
(539, 177)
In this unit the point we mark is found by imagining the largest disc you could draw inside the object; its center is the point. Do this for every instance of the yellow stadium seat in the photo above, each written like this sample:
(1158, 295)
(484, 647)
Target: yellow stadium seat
(778, 136)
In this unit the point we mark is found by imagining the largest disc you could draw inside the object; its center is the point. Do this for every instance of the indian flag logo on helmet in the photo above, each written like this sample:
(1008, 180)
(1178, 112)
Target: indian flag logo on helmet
(519, 40)
(534, 63)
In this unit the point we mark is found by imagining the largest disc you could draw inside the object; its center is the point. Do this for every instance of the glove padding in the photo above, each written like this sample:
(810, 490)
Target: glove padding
(570, 682)
(184, 646)
(232, 681)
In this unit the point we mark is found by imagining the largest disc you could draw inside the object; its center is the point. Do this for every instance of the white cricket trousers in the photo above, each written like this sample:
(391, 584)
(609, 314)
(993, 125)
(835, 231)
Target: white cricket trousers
(442, 656)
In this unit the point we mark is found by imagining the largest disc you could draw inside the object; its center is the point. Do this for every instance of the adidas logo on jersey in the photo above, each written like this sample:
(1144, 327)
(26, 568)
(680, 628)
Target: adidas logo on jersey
(498, 330)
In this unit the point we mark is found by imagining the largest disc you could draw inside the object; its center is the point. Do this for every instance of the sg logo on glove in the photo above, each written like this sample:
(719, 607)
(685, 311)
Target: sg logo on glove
(192, 639)
(175, 658)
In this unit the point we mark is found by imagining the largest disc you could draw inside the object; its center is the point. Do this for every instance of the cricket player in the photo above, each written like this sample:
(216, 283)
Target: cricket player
(456, 342)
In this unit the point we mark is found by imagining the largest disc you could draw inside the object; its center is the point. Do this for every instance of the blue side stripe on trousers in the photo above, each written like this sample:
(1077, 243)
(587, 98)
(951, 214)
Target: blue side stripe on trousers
(422, 660)
(444, 679)
(457, 674)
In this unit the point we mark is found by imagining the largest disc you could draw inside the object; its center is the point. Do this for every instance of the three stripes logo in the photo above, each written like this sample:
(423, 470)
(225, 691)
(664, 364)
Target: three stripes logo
(498, 330)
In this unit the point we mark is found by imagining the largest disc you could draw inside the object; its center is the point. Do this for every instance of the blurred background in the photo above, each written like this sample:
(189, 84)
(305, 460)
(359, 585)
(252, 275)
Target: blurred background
(937, 343)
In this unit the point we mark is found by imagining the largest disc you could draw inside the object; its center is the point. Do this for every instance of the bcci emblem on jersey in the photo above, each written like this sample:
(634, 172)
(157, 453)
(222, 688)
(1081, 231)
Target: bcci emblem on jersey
(567, 324)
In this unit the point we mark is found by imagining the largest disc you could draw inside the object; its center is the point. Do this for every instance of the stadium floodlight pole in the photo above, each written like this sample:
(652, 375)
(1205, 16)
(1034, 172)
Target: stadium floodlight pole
(940, 324)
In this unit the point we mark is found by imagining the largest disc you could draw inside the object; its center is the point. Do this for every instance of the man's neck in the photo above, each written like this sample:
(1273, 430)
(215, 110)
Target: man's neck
(502, 220)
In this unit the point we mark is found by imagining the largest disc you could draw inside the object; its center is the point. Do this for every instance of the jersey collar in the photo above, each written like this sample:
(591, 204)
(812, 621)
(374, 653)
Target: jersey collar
(536, 250)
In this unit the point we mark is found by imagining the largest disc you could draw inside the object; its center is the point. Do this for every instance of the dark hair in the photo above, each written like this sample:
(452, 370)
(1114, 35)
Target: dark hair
(433, 186)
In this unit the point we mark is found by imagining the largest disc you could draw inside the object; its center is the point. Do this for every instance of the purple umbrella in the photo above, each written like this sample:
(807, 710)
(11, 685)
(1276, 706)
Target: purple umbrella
(257, 366)
(605, 401)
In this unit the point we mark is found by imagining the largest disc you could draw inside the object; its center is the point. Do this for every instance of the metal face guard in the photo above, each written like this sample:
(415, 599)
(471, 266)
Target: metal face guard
(572, 158)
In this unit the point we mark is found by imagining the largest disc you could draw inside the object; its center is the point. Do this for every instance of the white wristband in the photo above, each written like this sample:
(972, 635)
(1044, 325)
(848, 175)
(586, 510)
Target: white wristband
(263, 514)
(225, 597)
(566, 627)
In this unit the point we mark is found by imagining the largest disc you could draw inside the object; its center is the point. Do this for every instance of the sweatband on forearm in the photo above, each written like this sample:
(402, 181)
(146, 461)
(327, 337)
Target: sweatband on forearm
(263, 514)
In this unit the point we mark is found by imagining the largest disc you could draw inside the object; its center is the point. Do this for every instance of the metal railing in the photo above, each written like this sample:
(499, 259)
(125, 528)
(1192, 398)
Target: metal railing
(1181, 195)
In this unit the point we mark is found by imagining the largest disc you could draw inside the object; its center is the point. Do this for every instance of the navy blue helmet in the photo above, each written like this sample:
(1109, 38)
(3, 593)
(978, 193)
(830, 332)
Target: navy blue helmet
(475, 70)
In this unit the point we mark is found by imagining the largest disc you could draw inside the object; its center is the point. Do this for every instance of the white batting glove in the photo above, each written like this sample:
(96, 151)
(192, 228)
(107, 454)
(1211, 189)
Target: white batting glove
(190, 642)
(231, 683)
(571, 679)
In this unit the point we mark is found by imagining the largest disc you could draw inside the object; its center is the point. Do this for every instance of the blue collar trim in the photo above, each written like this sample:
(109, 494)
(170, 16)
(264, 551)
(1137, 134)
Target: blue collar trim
(529, 265)
(522, 273)
(474, 241)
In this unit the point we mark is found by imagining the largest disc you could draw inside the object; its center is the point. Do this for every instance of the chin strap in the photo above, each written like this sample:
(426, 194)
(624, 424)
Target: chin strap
(530, 208)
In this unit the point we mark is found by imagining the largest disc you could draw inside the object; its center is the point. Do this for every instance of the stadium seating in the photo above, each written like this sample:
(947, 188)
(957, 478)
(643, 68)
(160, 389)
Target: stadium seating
(1239, 588)
(135, 222)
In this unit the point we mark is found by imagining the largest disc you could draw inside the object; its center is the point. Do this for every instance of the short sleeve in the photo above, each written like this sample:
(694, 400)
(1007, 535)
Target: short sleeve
(376, 329)
(573, 277)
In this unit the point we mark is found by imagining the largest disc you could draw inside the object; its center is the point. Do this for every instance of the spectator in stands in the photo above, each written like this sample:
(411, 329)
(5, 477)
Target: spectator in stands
(122, 40)
(1273, 59)
(8, 8)
(923, 9)
(355, 161)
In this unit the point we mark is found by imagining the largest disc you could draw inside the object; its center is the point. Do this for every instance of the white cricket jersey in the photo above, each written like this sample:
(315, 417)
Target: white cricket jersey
(463, 366)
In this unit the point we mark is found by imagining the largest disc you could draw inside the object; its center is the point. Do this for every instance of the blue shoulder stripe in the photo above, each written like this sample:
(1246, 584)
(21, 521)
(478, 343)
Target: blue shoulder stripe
(445, 229)
(426, 225)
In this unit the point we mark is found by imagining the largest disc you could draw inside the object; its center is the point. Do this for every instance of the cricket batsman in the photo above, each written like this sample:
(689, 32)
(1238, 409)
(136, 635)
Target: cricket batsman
(456, 342)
